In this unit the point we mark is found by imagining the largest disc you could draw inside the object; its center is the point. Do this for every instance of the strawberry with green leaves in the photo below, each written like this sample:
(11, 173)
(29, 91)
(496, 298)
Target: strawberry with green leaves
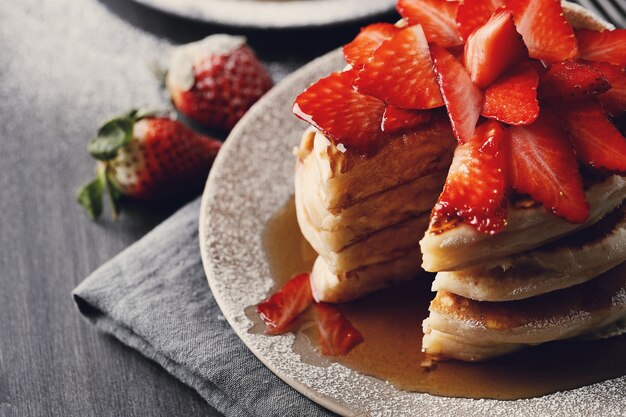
(146, 156)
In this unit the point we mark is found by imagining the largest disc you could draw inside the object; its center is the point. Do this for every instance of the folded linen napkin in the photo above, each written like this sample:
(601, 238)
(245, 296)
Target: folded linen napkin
(154, 297)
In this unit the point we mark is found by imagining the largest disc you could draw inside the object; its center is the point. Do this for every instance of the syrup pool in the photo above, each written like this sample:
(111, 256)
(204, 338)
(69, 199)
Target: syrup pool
(390, 322)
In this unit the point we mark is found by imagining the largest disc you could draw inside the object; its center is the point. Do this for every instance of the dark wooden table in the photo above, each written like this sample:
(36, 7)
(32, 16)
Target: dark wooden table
(52, 363)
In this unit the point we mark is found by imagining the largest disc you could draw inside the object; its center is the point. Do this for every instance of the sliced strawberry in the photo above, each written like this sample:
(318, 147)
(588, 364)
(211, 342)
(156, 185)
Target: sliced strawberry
(401, 72)
(337, 335)
(512, 99)
(570, 80)
(614, 100)
(341, 113)
(397, 119)
(493, 48)
(546, 32)
(607, 46)
(282, 308)
(597, 141)
(543, 165)
(472, 14)
(367, 41)
(437, 17)
(463, 98)
(475, 188)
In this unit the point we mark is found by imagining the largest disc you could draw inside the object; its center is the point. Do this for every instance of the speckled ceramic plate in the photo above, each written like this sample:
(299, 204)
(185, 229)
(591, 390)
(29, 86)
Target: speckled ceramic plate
(251, 179)
(275, 14)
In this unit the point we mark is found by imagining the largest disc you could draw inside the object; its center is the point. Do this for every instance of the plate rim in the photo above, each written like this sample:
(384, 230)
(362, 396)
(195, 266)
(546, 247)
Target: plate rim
(204, 217)
(271, 20)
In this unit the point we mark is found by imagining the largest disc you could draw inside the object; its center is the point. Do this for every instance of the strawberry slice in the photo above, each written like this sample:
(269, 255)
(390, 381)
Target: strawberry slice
(493, 48)
(512, 99)
(401, 72)
(614, 100)
(437, 17)
(463, 98)
(337, 335)
(597, 141)
(571, 80)
(282, 308)
(477, 181)
(546, 32)
(607, 46)
(543, 165)
(472, 14)
(367, 41)
(341, 113)
(396, 119)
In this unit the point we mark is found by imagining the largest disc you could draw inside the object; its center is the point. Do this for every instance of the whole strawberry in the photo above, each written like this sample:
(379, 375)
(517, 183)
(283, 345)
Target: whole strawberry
(147, 157)
(216, 80)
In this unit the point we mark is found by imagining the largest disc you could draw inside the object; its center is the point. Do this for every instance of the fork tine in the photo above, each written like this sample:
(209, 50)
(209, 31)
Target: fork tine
(592, 6)
(611, 11)
(618, 9)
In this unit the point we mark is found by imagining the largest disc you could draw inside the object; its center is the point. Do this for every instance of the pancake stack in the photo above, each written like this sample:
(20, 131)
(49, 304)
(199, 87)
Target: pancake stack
(541, 279)
(365, 215)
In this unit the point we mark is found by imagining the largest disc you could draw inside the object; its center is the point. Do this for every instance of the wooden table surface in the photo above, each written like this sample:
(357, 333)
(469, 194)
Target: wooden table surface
(52, 363)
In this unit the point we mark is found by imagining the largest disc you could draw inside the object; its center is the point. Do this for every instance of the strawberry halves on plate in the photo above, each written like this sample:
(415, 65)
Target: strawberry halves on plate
(401, 72)
(475, 189)
(543, 165)
(367, 42)
(437, 17)
(512, 98)
(546, 32)
(337, 335)
(282, 308)
(463, 98)
(344, 115)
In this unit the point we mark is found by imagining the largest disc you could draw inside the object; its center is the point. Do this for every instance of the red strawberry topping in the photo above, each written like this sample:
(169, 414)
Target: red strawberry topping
(546, 32)
(282, 308)
(474, 13)
(396, 119)
(463, 98)
(367, 42)
(493, 48)
(437, 17)
(570, 80)
(543, 165)
(477, 181)
(337, 335)
(401, 72)
(344, 115)
(512, 99)
(607, 46)
(614, 100)
(597, 141)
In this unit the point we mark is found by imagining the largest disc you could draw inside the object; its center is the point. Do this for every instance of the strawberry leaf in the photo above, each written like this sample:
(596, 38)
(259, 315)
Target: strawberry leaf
(112, 135)
(90, 197)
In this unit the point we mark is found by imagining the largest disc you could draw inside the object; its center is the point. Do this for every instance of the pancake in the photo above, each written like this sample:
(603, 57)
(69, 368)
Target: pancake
(346, 178)
(462, 246)
(341, 287)
(565, 263)
(471, 330)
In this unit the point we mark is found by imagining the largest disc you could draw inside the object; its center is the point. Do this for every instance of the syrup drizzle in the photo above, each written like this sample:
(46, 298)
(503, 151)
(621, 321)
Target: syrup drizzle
(390, 322)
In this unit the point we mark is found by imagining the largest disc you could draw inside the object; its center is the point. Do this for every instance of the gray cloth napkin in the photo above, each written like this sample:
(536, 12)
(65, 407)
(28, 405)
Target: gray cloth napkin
(154, 297)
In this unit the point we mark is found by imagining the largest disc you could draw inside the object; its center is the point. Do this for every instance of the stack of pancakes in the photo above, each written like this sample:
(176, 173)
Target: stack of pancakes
(365, 215)
(539, 280)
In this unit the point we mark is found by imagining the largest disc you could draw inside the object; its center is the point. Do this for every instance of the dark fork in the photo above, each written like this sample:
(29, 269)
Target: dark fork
(612, 10)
